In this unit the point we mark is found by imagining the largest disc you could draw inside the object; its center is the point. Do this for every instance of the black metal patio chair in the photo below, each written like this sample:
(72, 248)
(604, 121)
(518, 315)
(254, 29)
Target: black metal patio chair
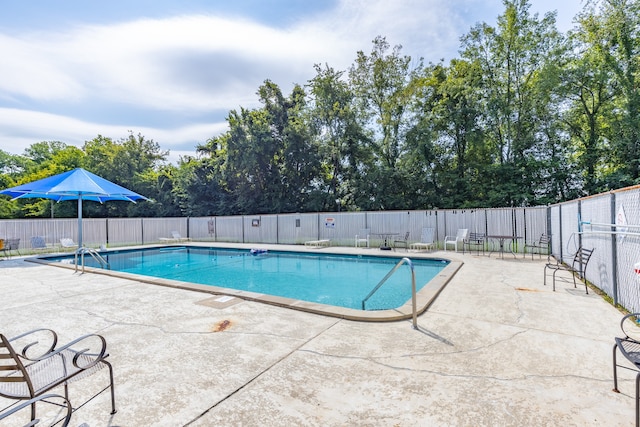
(402, 242)
(12, 244)
(475, 240)
(31, 365)
(543, 244)
(52, 399)
(577, 268)
(629, 347)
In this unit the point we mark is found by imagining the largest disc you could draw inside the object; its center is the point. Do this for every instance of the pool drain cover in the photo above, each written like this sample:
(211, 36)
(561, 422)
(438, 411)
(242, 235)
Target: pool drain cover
(219, 301)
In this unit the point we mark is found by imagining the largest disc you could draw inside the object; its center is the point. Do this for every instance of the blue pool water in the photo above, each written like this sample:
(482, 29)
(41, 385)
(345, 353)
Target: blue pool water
(339, 280)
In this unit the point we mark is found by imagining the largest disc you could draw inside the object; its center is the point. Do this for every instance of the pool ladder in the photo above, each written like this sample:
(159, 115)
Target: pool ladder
(413, 287)
(94, 254)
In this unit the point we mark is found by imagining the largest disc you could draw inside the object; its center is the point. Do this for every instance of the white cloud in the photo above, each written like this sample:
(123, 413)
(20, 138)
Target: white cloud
(25, 128)
(163, 64)
(67, 83)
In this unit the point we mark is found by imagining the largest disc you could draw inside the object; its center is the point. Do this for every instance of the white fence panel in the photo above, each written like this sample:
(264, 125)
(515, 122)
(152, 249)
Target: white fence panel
(627, 249)
(229, 229)
(125, 231)
(597, 210)
(202, 229)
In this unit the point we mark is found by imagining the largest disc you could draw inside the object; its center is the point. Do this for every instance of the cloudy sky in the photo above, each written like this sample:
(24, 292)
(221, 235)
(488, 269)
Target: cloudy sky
(172, 70)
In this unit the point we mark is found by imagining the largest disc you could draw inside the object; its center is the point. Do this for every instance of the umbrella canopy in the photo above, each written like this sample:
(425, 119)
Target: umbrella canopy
(77, 184)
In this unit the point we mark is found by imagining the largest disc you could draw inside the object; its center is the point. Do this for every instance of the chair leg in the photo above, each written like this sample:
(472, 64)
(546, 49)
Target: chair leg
(615, 369)
(586, 288)
(113, 396)
(638, 399)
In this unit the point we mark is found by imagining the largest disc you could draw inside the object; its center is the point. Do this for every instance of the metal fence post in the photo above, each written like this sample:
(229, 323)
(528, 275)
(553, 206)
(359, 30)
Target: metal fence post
(614, 251)
(560, 222)
(579, 223)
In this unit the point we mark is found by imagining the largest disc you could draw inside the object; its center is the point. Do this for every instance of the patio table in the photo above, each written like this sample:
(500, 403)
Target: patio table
(502, 238)
(385, 236)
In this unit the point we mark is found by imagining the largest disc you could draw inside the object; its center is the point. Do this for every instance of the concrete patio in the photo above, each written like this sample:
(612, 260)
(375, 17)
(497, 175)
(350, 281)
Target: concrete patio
(495, 348)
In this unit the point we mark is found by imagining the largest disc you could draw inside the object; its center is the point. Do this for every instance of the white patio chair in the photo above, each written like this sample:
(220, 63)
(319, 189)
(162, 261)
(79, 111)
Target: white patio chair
(68, 243)
(460, 237)
(363, 237)
(175, 237)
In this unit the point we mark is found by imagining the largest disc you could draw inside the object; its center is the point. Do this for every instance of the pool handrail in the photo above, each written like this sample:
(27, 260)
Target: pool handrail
(94, 254)
(413, 287)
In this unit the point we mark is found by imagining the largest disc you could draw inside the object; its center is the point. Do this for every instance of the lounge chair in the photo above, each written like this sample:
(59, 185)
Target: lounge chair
(460, 237)
(577, 268)
(426, 240)
(68, 243)
(363, 237)
(32, 365)
(318, 243)
(175, 237)
(629, 347)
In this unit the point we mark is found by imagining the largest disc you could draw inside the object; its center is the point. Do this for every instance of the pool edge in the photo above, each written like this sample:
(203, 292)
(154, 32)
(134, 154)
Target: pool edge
(424, 297)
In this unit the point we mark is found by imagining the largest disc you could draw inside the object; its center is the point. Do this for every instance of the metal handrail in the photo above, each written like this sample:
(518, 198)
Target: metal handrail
(413, 288)
(94, 254)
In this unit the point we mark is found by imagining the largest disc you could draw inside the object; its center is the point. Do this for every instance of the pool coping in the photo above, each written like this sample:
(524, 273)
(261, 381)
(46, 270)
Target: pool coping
(424, 297)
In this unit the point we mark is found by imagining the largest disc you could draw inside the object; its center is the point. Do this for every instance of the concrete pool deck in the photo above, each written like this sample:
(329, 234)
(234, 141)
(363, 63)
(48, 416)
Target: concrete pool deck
(495, 347)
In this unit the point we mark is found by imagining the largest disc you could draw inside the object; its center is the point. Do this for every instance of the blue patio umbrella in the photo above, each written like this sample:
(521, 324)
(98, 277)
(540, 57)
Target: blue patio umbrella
(77, 184)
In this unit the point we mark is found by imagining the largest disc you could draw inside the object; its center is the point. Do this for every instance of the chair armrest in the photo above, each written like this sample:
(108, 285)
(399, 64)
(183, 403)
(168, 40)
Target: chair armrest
(44, 398)
(31, 345)
(95, 356)
(630, 334)
(630, 349)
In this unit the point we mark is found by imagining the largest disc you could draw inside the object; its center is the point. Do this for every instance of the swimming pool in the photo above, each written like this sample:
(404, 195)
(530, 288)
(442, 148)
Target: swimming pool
(318, 278)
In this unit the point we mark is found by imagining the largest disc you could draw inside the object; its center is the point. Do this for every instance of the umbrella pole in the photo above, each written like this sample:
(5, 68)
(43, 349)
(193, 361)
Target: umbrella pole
(79, 221)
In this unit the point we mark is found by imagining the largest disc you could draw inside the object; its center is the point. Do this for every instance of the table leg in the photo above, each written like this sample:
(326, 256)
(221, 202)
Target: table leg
(386, 246)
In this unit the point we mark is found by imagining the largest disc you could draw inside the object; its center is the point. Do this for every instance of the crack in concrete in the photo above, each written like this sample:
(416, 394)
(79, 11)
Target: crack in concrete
(261, 373)
(378, 362)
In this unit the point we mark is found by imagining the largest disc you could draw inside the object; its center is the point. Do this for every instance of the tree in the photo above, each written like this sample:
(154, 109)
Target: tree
(298, 162)
(129, 162)
(588, 83)
(515, 59)
(384, 87)
(452, 111)
(342, 143)
(611, 28)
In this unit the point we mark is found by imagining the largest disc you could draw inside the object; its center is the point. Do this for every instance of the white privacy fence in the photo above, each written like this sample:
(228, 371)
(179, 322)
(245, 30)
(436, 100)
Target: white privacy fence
(608, 223)
(340, 228)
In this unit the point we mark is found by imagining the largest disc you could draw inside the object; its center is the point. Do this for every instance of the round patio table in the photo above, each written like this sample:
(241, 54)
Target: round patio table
(502, 238)
(385, 237)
